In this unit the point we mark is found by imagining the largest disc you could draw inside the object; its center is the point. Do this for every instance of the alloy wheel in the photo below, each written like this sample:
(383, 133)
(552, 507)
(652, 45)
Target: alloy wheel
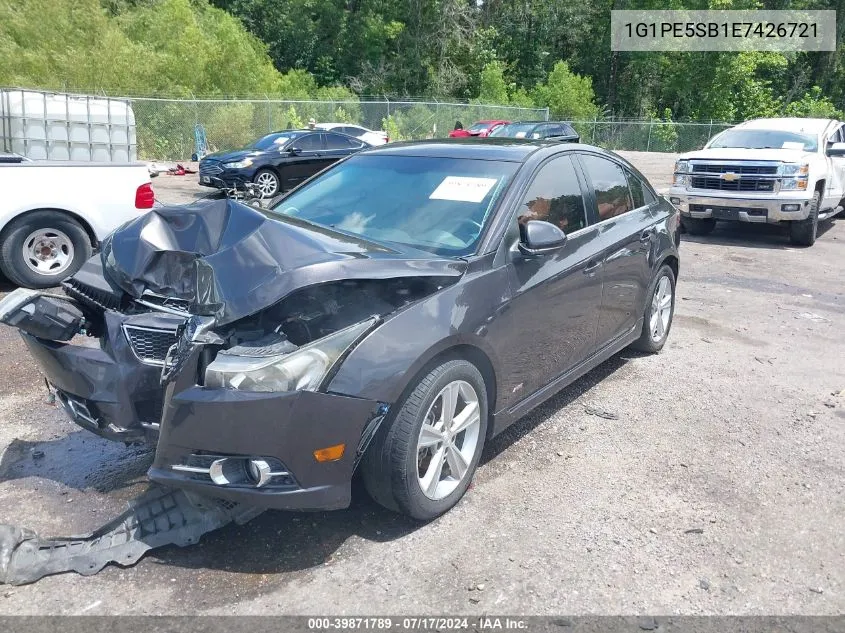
(267, 184)
(661, 309)
(448, 439)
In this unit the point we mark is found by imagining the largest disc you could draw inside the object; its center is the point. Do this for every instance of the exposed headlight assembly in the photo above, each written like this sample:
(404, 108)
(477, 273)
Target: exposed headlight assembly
(796, 176)
(301, 370)
(241, 164)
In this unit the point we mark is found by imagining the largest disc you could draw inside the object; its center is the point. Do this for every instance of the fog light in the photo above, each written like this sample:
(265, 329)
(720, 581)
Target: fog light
(675, 201)
(330, 453)
(259, 472)
(790, 207)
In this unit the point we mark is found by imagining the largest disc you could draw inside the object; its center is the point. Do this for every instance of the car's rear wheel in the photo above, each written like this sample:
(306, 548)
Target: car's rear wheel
(803, 232)
(268, 182)
(423, 458)
(699, 226)
(659, 311)
(42, 248)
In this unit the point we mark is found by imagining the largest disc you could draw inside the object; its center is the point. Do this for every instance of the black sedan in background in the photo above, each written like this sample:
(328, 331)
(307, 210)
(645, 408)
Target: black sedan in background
(279, 161)
(534, 130)
(391, 315)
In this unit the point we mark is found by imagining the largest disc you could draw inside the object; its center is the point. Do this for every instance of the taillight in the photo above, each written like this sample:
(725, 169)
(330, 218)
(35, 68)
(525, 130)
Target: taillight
(145, 196)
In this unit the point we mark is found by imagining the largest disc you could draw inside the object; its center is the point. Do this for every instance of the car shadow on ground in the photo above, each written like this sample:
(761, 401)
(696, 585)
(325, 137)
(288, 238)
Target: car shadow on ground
(749, 235)
(279, 542)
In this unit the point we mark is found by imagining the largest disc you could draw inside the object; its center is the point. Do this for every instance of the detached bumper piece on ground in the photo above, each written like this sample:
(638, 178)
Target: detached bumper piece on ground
(158, 517)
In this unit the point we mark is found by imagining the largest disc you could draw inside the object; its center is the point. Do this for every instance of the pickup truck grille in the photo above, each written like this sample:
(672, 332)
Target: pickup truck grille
(738, 176)
(743, 183)
(707, 168)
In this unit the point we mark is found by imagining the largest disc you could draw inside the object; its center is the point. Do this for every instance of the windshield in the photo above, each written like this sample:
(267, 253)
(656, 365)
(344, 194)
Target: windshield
(765, 139)
(431, 203)
(266, 142)
(515, 130)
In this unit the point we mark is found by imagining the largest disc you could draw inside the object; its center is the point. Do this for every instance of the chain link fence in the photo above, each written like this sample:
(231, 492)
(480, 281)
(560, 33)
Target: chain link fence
(166, 127)
(648, 136)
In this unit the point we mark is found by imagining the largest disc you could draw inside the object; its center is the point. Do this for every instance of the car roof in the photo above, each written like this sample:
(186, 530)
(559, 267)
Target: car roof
(496, 148)
(788, 124)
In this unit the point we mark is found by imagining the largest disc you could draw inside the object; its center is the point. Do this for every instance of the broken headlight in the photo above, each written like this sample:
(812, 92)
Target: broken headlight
(300, 370)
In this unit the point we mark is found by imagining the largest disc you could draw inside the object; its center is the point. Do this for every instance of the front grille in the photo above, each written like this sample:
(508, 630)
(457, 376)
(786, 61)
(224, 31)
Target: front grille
(760, 170)
(150, 345)
(210, 169)
(94, 297)
(743, 183)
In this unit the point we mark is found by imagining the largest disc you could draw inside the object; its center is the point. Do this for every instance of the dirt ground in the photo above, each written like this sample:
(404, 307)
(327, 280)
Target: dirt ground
(716, 488)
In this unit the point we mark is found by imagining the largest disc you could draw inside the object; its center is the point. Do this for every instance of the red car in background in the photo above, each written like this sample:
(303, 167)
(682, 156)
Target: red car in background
(481, 128)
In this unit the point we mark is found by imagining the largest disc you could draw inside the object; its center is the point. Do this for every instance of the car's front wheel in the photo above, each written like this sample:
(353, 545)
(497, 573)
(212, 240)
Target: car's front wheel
(659, 310)
(804, 232)
(268, 183)
(423, 458)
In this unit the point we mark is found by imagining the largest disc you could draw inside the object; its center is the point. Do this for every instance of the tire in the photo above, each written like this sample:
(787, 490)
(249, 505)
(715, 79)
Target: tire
(699, 226)
(57, 232)
(268, 182)
(391, 466)
(803, 232)
(649, 340)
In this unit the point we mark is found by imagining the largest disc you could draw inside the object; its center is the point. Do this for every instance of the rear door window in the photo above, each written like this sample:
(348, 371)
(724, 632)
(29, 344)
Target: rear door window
(610, 185)
(336, 141)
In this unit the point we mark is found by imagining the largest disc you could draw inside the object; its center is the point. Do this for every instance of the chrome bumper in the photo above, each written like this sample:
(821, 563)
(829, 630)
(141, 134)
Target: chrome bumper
(740, 209)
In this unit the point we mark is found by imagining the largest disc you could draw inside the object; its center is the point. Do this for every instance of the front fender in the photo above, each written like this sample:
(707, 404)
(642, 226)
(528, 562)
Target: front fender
(382, 366)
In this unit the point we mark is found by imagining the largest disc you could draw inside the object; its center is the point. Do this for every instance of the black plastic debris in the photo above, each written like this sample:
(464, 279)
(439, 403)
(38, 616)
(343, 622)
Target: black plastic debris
(160, 516)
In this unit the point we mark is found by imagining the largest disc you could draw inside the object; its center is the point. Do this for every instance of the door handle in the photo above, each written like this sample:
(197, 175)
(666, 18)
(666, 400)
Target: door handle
(592, 267)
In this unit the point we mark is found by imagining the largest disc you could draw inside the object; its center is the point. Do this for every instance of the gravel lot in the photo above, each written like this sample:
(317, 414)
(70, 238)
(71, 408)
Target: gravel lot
(716, 487)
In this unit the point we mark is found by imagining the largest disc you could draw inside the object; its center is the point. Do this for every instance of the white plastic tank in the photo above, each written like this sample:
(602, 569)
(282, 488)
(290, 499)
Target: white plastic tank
(55, 126)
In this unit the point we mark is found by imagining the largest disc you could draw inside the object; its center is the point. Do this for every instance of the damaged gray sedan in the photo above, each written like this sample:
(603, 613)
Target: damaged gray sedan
(390, 316)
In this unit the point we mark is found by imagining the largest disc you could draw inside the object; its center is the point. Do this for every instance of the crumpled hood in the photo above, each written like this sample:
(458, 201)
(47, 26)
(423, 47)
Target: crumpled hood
(229, 260)
(740, 154)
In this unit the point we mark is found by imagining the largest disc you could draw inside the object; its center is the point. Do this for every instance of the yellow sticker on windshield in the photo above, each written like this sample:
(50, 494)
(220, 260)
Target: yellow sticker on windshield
(463, 189)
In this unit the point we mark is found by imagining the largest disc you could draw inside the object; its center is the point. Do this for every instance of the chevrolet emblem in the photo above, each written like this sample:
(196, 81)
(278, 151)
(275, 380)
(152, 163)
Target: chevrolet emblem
(730, 176)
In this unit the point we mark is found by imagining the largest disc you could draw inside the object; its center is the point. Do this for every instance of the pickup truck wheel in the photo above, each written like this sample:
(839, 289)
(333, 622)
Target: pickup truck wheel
(421, 462)
(42, 248)
(803, 232)
(699, 226)
(659, 310)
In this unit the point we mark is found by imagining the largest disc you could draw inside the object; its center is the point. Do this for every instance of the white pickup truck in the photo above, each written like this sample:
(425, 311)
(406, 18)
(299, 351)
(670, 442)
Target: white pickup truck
(54, 214)
(768, 170)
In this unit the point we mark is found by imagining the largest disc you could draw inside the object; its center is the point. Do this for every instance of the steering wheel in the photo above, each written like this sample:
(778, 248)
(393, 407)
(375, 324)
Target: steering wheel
(468, 222)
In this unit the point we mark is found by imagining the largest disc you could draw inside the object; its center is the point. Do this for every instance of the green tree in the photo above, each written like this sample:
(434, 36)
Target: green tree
(566, 94)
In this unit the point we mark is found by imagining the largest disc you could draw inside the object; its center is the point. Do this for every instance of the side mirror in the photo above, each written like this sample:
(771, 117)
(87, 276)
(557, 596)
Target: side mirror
(835, 149)
(294, 150)
(537, 237)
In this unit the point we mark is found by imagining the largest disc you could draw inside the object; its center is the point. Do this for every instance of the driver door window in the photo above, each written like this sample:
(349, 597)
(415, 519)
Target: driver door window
(555, 196)
(309, 143)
